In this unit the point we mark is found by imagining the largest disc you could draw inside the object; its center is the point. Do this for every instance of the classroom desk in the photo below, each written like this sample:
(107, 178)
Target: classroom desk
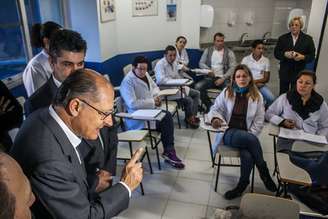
(153, 140)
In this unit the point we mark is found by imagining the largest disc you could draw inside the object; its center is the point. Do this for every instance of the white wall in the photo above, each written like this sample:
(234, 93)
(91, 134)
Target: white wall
(316, 19)
(84, 19)
(323, 66)
(262, 9)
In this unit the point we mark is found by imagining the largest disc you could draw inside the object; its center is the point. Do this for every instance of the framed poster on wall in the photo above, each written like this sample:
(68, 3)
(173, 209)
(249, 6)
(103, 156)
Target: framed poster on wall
(142, 8)
(107, 10)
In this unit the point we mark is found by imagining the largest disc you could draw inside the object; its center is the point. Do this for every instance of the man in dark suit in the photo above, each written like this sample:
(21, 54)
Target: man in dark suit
(66, 53)
(293, 50)
(47, 148)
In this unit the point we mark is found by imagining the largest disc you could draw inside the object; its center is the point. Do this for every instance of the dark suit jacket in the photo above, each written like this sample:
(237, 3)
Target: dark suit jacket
(94, 155)
(42, 97)
(288, 67)
(57, 178)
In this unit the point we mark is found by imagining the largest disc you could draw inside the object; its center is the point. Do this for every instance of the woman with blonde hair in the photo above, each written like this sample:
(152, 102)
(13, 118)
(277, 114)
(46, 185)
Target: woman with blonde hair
(240, 107)
(294, 50)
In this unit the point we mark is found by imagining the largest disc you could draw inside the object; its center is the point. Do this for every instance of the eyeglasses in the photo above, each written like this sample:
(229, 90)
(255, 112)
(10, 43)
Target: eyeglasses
(103, 115)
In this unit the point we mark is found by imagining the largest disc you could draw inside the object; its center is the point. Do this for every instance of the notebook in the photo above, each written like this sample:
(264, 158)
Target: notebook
(299, 134)
(145, 113)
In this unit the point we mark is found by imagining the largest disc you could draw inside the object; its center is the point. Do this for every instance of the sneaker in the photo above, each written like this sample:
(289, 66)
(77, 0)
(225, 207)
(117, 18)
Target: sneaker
(171, 156)
(175, 165)
(236, 192)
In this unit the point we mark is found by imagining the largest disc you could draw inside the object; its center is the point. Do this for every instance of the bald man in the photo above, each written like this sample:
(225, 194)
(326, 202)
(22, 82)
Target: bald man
(16, 195)
(47, 147)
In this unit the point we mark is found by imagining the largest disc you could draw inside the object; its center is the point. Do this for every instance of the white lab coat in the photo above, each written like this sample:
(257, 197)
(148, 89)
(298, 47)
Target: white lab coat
(281, 109)
(137, 95)
(37, 72)
(223, 107)
(165, 71)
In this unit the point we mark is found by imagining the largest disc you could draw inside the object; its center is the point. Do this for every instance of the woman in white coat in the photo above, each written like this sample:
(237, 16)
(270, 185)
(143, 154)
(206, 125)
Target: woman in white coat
(240, 106)
(182, 56)
(302, 108)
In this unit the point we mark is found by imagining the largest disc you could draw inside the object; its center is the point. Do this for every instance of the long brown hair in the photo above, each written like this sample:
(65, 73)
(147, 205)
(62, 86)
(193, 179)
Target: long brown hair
(253, 92)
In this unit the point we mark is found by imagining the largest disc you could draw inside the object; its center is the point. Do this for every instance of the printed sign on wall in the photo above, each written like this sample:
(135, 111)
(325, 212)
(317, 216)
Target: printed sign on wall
(142, 8)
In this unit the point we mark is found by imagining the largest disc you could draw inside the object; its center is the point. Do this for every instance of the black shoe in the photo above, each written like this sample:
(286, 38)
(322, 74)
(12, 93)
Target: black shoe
(266, 178)
(236, 192)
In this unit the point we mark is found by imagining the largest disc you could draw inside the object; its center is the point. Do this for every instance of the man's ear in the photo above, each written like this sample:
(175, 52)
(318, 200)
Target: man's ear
(73, 107)
(51, 62)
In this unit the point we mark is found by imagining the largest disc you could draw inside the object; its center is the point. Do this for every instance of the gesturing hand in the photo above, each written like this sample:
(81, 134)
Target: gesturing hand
(133, 172)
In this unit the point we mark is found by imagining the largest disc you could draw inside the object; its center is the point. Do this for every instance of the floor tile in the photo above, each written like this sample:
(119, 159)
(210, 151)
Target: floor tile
(190, 191)
(178, 210)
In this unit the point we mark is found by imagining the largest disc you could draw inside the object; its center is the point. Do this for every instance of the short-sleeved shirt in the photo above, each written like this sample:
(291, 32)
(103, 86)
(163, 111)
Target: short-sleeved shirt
(257, 67)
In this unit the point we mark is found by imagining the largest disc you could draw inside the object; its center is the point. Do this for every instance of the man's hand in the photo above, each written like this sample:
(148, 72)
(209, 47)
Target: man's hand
(216, 123)
(133, 172)
(185, 68)
(4, 105)
(211, 74)
(158, 101)
(105, 180)
(289, 124)
(219, 82)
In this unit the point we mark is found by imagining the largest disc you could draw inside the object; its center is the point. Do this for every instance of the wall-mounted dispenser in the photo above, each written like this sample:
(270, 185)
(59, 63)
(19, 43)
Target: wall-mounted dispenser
(249, 18)
(232, 18)
(206, 16)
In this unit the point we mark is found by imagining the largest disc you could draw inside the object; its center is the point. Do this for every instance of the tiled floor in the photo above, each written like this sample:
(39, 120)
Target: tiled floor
(189, 193)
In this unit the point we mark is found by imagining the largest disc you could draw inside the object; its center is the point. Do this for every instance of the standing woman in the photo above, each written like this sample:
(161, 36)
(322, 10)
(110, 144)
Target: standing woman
(182, 55)
(38, 70)
(240, 106)
(293, 50)
(301, 108)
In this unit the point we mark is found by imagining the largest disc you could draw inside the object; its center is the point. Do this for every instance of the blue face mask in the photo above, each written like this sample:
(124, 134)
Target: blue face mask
(241, 90)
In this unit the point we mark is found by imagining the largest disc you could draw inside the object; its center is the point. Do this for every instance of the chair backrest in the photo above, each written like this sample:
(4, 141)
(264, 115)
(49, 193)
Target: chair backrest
(263, 206)
(127, 68)
(153, 63)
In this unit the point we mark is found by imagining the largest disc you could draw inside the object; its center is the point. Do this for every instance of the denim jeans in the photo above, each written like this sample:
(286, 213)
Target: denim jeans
(166, 128)
(250, 150)
(267, 95)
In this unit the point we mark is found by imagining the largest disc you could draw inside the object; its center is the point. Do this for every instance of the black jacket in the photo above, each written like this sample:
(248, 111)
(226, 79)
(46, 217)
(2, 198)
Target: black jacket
(288, 67)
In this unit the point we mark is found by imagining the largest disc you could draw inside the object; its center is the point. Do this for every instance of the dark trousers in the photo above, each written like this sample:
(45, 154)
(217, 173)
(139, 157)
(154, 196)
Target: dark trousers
(191, 102)
(205, 84)
(166, 128)
(250, 150)
(285, 86)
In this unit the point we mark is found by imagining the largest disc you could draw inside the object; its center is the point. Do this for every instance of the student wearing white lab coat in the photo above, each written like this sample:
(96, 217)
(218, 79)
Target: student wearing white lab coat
(302, 108)
(240, 106)
(167, 69)
(139, 91)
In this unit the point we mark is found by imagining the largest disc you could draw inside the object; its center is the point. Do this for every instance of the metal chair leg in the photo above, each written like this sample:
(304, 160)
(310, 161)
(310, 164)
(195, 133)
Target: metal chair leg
(217, 174)
(252, 183)
(142, 189)
(149, 163)
(178, 117)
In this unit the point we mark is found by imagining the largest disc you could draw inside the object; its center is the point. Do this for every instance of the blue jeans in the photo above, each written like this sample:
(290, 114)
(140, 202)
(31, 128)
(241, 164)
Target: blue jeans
(250, 150)
(191, 103)
(267, 95)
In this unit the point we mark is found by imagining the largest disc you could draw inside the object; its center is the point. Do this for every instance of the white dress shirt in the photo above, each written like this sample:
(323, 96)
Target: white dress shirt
(37, 72)
(73, 139)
